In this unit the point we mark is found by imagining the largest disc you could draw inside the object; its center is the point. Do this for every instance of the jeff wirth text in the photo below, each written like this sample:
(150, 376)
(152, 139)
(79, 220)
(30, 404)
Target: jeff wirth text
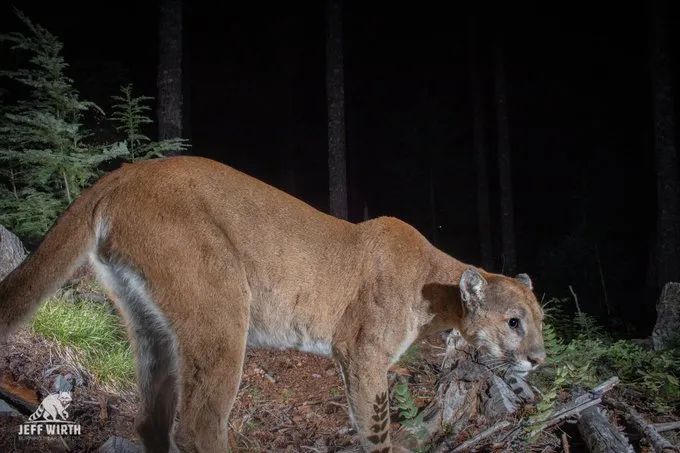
(51, 418)
(50, 429)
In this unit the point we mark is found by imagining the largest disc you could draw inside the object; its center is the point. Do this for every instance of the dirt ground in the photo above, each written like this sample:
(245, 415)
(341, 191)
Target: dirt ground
(288, 401)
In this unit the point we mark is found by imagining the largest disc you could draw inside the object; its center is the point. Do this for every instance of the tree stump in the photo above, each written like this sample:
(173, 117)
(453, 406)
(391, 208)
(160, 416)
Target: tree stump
(469, 394)
(667, 327)
(12, 251)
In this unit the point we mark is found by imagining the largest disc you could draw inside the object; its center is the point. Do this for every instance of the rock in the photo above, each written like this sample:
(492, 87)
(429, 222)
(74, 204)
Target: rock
(667, 328)
(6, 409)
(12, 251)
(116, 444)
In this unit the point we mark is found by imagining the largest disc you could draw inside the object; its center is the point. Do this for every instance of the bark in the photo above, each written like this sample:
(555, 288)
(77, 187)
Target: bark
(480, 150)
(665, 148)
(468, 392)
(600, 435)
(170, 70)
(504, 167)
(335, 93)
(666, 331)
(12, 252)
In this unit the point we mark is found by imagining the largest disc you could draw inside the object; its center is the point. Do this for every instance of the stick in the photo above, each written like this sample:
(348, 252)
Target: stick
(468, 444)
(659, 443)
(581, 403)
(668, 426)
(565, 443)
(578, 307)
(602, 282)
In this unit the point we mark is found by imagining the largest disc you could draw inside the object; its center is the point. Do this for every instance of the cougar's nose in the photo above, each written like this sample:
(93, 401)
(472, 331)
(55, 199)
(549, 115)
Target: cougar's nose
(536, 358)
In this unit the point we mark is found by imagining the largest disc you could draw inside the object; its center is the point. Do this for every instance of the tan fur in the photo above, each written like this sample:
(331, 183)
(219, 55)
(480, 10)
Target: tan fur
(203, 259)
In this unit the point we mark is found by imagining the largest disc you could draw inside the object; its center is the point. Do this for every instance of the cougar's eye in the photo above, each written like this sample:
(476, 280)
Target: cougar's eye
(513, 323)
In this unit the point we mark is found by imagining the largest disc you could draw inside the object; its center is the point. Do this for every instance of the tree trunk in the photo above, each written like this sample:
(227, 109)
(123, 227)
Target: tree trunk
(335, 93)
(504, 167)
(667, 328)
(170, 70)
(433, 202)
(666, 159)
(480, 150)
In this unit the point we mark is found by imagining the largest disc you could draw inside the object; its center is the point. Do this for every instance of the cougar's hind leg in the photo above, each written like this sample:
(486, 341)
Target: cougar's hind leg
(155, 345)
(213, 344)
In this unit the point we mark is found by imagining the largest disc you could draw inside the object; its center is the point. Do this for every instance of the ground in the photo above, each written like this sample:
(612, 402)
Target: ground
(288, 400)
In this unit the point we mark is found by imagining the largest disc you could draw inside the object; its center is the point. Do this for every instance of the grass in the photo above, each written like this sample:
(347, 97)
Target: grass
(93, 331)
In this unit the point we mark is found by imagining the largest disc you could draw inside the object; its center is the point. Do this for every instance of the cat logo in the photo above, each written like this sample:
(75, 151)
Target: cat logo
(51, 418)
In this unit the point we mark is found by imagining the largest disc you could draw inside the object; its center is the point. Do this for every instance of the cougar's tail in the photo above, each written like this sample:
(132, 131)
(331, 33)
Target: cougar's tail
(60, 253)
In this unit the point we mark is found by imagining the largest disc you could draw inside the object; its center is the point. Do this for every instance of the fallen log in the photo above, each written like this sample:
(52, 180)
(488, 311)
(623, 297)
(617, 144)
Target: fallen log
(659, 443)
(23, 399)
(468, 394)
(599, 434)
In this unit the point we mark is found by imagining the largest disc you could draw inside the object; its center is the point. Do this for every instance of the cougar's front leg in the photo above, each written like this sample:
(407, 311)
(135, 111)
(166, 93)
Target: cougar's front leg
(365, 378)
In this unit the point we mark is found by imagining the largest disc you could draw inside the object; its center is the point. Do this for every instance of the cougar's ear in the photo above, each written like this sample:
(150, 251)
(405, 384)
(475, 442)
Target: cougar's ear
(472, 286)
(525, 280)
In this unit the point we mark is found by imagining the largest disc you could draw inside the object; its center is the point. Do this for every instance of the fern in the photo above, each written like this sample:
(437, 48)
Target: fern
(544, 409)
(129, 116)
(590, 356)
(408, 411)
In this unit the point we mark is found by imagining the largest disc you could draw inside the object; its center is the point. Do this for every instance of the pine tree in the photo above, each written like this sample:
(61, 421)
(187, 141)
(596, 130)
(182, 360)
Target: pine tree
(44, 154)
(129, 117)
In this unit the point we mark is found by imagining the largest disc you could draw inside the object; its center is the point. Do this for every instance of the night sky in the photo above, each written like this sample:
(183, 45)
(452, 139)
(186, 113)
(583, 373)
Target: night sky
(579, 99)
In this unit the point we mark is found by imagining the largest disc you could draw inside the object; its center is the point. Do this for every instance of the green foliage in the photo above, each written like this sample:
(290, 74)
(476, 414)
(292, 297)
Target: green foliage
(44, 155)
(655, 374)
(408, 411)
(544, 408)
(588, 356)
(581, 354)
(129, 116)
(94, 332)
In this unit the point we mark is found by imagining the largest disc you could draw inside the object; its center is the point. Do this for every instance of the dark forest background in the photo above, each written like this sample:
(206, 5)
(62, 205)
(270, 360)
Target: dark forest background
(421, 94)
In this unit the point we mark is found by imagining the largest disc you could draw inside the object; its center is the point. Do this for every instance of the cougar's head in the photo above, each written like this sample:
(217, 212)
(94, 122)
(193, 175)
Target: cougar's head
(503, 318)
